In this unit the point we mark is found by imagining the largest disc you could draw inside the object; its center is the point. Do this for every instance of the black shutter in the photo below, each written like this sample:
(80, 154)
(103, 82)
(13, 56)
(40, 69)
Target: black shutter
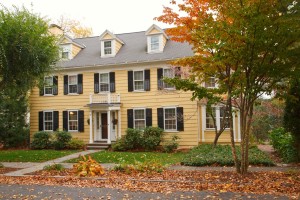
(96, 83)
(41, 121)
(148, 117)
(65, 120)
(160, 118)
(180, 119)
(55, 120)
(80, 121)
(177, 72)
(55, 85)
(159, 78)
(129, 118)
(79, 81)
(66, 91)
(112, 81)
(130, 81)
(147, 80)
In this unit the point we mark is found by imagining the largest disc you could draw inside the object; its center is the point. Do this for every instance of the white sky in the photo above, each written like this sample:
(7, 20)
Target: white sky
(118, 16)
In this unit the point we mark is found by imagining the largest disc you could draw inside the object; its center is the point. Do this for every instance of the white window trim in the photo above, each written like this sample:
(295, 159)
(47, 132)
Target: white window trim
(138, 90)
(108, 91)
(48, 86)
(139, 119)
(170, 130)
(160, 40)
(47, 111)
(217, 117)
(72, 120)
(113, 49)
(72, 93)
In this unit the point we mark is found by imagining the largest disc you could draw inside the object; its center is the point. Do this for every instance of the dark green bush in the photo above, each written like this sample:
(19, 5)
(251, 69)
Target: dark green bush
(206, 155)
(133, 139)
(119, 145)
(170, 146)
(152, 137)
(41, 140)
(62, 139)
(283, 143)
(75, 143)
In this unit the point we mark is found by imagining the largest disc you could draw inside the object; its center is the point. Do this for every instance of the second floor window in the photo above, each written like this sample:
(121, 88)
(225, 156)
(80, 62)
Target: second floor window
(169, 73)
(107, 48)
(48, 87)
(138, 80)
(104, 82)
(73, 84)
(210, 82)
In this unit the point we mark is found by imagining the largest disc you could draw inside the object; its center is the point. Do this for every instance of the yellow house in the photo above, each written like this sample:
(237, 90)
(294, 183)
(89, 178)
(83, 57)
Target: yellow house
(106, 84)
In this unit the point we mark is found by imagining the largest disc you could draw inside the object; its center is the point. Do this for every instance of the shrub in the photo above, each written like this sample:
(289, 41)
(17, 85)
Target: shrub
(283, 143)
(152, 137)
(170, 146)
(147, 166)
(88, 167)
(41, 140)
(133, 139)
(119, 145)
(75, 143)
(62, 139)
(55, 167)
(206, 154)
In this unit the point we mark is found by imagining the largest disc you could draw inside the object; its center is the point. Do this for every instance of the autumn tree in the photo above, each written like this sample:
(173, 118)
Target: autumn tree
(249, 46)
(74, 28)
(27, 53)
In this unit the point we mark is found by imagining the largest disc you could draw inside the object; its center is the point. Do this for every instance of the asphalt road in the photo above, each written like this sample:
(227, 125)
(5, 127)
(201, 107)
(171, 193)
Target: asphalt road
(69, 193)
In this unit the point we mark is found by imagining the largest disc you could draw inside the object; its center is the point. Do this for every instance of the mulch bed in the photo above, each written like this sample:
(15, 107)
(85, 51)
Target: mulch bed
(5, 170)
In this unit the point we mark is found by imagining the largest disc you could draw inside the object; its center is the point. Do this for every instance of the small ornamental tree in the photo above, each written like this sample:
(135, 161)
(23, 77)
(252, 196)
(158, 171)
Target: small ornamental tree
(249, 46)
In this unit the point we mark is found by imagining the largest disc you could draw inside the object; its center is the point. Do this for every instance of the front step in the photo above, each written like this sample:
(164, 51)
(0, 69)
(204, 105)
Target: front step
(97, 146)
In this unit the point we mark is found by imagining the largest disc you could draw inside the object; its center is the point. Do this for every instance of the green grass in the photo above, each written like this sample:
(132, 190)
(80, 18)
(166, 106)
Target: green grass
(31, 155)
(131, 157)
(206, 155)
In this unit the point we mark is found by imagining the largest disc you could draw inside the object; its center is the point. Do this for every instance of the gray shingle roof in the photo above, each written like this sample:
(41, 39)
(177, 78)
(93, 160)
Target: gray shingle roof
(134, 50)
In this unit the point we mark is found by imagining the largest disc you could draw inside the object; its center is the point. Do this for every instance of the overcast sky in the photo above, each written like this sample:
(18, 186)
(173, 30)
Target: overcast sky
(118, 16)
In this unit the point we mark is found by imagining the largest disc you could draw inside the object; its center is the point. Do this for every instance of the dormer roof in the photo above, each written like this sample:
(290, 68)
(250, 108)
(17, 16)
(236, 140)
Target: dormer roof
(107, 35)
(154, 29)
(65, 39)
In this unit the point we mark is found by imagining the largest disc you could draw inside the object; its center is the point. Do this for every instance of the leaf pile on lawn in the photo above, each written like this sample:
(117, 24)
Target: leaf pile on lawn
(88, 167)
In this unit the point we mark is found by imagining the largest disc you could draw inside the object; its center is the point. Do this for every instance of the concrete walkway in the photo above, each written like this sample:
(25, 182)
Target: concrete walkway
(39, 166)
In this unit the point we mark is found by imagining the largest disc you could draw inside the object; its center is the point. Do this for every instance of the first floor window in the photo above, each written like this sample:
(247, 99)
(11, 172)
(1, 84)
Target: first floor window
(170, 117)
(72, 84)
(48, 121)
(138, 80)
(139, 118)
(73, 120)
(48, 87)
(218, 113)
(104, 82)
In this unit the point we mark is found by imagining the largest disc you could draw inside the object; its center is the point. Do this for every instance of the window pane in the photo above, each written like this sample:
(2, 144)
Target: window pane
(138, 76)
(48, 90)
(104, 78)
(107, 51)
(48, 126)
(210, 82)
(72, 88)
(107, 44)
(170, 74)
(73, 115)
(48, 81)
(138, 85)
(170, 119)
(170, 124)
(104, 87)
(48, 116)
(139, 124)
(209, 119)
(139, 114)
(154, 43)
(73, 80)
(222, 115)
(65, 55)
(170, 113)
(73, 125)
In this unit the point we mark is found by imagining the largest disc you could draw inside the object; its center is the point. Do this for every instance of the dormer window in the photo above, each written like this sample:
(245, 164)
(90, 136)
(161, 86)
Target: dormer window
(65, 55)
(155, 43)
(107, 48)
(66, 50)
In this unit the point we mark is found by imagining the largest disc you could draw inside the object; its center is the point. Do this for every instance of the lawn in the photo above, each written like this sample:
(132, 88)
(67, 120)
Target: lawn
(31, 155)
(131, 157)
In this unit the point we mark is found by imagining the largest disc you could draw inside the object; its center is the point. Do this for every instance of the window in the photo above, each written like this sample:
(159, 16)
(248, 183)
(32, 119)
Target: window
(154, 43)
(72, 84)
(65, 55)
(219, 114)
(170, 119)
(104, 82)
(138, 80)
(139, 118)
(210, 82)
(107, 48)
(48, 87)
(48, 121)
(73, 120)
(169, 73)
